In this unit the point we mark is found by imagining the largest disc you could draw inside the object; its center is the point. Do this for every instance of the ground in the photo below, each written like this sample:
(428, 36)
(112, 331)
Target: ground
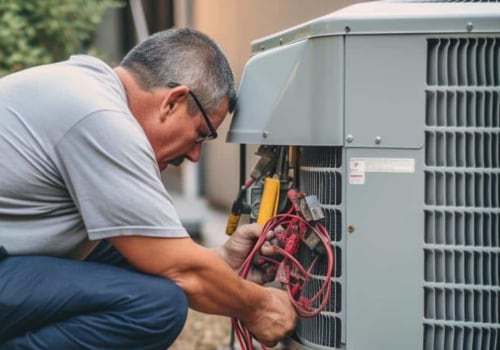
(204, 332)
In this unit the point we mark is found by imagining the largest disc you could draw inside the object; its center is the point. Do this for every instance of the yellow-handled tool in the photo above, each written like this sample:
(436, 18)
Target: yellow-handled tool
(270, 200)
(236, 211)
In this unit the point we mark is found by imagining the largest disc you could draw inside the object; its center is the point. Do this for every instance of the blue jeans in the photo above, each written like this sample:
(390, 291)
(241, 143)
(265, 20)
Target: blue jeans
(101, 303)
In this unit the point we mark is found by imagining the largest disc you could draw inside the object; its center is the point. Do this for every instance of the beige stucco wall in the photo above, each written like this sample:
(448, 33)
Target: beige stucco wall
(234, 24)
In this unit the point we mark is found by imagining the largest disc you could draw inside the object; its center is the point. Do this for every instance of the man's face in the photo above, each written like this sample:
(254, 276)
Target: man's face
(175, 134)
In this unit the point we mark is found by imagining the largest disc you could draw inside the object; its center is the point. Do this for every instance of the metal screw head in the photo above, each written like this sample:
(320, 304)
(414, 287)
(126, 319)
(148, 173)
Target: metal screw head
(265, 133)
(349, 138)
(378, 140)
(351, 228)
(347, 29)
(469, 26)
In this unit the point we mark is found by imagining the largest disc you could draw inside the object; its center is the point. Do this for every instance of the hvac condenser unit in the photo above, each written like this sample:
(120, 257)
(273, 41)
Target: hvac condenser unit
(395, 107)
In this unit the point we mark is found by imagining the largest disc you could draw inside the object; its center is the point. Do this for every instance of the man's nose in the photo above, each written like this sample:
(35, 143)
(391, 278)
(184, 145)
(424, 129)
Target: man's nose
(194, 153)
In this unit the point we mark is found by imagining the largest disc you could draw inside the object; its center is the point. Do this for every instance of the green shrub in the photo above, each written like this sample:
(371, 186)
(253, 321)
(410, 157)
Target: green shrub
(34, 32)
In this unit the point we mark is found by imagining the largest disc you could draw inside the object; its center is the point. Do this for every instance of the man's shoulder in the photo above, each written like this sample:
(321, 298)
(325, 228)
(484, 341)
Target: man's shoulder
(52, 99)
(84, 85)
(93, 81)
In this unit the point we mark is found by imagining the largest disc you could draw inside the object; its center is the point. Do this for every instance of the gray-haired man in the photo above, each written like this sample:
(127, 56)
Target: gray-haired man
(95, 254)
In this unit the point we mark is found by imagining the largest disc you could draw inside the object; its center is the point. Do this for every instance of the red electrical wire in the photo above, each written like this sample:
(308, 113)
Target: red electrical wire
(290, 228)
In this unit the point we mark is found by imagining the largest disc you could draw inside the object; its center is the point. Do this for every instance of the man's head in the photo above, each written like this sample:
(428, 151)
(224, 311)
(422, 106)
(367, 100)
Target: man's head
(183, 89)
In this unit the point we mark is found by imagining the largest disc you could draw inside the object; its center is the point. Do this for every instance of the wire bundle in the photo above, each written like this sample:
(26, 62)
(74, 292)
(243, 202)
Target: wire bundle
(291, 231)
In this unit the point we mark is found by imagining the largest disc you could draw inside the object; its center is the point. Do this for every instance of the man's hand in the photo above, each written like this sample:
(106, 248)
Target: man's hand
(238, 246)
(274, 319)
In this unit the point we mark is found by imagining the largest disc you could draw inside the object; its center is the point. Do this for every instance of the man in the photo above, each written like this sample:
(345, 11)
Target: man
(94, 255)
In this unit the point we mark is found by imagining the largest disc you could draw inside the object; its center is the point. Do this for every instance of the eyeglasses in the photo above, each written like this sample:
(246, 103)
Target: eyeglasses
(212, 132)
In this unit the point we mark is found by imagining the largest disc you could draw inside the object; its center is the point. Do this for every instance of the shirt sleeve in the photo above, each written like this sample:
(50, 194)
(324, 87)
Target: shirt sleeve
(110, 171)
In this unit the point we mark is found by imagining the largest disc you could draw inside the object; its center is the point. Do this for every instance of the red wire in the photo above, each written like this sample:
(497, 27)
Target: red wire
(290, 220)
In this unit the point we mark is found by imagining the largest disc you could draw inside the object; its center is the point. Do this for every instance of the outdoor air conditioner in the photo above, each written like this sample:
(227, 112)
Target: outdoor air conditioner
(395, 108)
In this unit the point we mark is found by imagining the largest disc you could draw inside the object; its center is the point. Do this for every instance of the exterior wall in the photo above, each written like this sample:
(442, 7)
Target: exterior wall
(234, 24)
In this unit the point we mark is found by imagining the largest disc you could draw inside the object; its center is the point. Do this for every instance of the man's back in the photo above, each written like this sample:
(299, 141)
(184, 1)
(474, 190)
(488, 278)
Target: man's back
(38, 107)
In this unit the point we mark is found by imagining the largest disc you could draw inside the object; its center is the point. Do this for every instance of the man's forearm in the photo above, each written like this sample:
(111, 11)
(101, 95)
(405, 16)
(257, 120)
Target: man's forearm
(215, 288)
(209, 283)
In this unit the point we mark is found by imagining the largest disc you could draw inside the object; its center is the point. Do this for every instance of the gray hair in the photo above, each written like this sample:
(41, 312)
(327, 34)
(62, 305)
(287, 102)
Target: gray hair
(183, 56)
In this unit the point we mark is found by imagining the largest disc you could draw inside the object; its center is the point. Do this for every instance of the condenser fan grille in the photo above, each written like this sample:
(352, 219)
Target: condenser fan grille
(320, 174)
(462, 195)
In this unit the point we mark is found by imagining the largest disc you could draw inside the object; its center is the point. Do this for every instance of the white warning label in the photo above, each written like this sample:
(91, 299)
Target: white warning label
(382, 165)
(356, 177)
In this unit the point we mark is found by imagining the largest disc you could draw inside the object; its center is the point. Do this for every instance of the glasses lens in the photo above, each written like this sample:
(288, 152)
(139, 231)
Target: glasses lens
(204, 138)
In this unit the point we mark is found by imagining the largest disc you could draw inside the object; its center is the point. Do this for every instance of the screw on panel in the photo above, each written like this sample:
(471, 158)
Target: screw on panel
(351, 228)
(469, 27)
(281, 41)
(262, 47)
(378, 140)
(265, 134)
(349, 138)
(347, 29)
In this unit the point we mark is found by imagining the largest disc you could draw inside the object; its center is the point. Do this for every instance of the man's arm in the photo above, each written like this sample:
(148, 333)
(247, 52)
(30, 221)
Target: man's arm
(211, 285)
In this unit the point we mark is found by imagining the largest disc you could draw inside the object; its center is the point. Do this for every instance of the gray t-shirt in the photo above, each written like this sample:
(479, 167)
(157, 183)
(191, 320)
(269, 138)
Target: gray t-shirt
(75, 166)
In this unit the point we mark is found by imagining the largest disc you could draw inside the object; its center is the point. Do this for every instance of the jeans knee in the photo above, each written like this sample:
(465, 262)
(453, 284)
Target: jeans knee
(176, 305)
(168, 308)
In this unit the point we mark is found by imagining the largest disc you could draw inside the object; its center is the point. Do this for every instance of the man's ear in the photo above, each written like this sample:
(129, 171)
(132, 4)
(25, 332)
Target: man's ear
(173, 98)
